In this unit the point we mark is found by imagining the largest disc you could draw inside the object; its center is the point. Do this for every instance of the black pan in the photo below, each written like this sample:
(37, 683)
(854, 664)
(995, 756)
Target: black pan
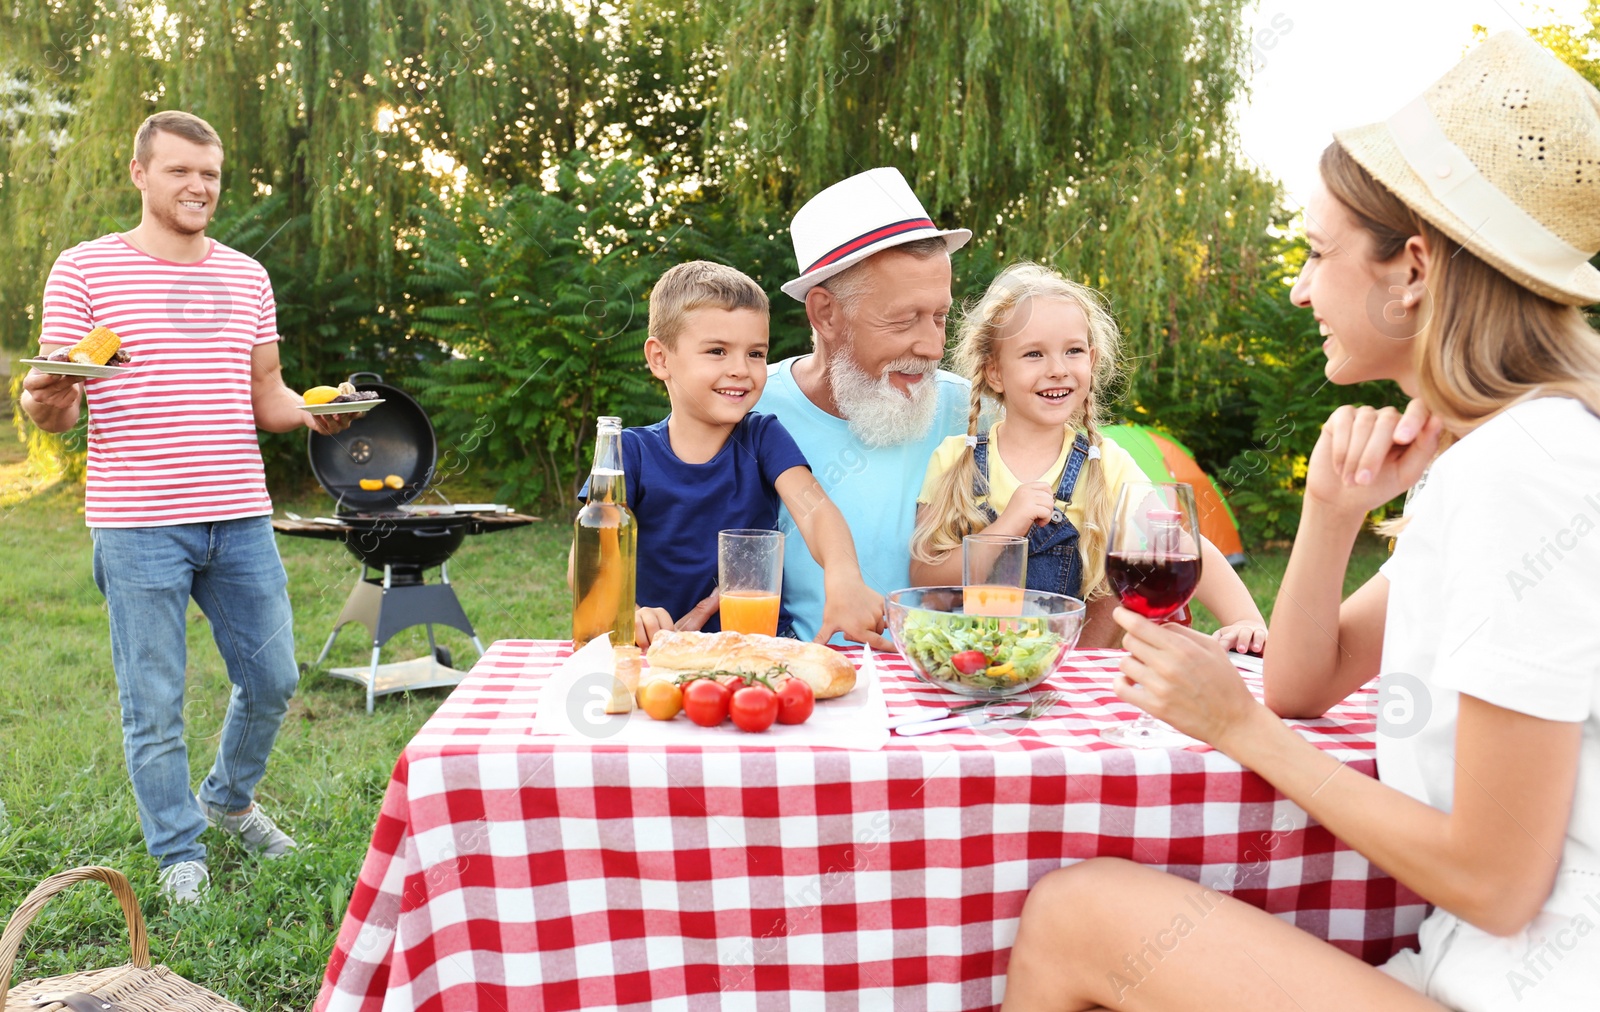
(394, 438)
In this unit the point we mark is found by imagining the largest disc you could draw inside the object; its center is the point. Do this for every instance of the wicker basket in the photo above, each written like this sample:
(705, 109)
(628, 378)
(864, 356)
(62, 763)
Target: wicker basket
(135, 987)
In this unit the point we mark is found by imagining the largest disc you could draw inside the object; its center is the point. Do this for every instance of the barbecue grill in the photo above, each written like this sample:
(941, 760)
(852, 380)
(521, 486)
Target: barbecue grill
(395, 536)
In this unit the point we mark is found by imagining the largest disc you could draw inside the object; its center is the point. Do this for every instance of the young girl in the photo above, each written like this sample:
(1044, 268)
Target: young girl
(1475, 239)
(1042, 347)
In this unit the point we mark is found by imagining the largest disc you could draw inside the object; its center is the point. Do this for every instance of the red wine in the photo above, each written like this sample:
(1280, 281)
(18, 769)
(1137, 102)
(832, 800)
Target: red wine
(1155, 587)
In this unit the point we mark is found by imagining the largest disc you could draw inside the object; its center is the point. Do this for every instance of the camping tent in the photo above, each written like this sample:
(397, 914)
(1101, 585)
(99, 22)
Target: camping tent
(1163, 458)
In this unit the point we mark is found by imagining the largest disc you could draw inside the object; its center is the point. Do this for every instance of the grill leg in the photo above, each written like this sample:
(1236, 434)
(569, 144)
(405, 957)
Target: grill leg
(327, 646)
(363, 605)
(372, 679)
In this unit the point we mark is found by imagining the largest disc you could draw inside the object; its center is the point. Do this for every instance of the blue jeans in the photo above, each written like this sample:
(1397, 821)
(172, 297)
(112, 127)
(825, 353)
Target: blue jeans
(232, 570)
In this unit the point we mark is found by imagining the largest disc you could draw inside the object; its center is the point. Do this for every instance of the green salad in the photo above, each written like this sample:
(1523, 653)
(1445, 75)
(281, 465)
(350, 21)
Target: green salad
(979, 651)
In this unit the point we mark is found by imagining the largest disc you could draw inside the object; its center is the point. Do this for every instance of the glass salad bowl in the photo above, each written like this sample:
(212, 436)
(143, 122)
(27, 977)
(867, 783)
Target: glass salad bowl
(984, 655)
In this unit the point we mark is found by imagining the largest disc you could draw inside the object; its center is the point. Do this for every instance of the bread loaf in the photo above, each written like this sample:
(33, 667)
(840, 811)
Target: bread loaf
(674, 653)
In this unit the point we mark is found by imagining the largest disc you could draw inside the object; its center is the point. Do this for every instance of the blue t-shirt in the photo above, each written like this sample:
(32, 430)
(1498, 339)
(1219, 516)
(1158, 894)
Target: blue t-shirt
(875, 488)
(680, 508)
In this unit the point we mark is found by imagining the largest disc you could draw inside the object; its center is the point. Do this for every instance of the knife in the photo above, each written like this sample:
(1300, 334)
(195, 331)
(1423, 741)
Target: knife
(961, 720)
(928, 713)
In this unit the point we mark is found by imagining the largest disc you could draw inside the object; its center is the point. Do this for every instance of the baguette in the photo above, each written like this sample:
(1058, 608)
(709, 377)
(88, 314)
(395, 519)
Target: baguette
(625, 679)
(674, 653)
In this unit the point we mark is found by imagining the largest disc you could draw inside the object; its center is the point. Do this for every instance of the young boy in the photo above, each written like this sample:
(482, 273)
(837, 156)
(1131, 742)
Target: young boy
(714, 465)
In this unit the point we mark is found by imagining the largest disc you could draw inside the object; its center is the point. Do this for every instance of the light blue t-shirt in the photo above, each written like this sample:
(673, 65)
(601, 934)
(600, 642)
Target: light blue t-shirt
(875, 488)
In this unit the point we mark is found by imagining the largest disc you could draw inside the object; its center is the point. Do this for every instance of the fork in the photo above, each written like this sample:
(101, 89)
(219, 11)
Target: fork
(1037, 708)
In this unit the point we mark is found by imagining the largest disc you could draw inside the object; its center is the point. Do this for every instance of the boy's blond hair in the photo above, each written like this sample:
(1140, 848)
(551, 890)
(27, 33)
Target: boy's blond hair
(699, 284)
(953, 513)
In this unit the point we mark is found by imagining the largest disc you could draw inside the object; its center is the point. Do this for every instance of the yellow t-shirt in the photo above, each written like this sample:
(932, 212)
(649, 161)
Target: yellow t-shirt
(1118, 463)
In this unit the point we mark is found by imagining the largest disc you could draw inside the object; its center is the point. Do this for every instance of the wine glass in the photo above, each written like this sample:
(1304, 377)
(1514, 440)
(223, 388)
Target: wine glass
(1153, 563)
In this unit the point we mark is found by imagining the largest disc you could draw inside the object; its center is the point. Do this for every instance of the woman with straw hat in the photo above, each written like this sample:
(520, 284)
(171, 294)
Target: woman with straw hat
(1450, 247)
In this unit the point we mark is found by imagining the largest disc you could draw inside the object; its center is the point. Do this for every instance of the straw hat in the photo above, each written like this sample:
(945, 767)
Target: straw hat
(1503, 154)
(855, 218)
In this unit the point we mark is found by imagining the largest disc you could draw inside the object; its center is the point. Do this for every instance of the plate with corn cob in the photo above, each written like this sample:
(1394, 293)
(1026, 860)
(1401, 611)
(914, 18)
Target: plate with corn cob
(98, 356)
(340, 400)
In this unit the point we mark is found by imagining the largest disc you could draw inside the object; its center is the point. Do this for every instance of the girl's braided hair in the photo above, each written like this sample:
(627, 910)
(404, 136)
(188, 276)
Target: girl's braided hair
(953, 512)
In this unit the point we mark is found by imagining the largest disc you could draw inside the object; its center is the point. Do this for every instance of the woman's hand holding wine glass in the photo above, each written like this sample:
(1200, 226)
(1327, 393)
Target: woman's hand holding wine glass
(1184, 678)
(1153, 563)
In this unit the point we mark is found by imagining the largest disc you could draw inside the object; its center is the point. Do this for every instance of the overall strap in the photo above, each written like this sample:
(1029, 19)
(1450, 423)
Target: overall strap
(980, 457)
(1069, 474)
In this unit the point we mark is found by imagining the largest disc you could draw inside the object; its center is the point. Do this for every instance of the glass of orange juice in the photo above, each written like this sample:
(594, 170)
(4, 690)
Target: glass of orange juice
(994, 573)
(750, 574)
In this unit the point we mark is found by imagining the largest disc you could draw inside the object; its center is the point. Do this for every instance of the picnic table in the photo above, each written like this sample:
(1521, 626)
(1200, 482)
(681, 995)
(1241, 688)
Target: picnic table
(508, 871)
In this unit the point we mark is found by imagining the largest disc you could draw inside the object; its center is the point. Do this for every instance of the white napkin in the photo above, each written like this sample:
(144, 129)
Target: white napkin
(572, 703)
(1247, 662)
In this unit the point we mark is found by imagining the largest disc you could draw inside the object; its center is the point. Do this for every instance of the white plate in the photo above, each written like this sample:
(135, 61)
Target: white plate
(569, 709)
(76, 368)
(342, 408)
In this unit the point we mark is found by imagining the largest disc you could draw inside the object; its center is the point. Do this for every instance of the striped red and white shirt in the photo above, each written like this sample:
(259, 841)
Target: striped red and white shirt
(172, 440)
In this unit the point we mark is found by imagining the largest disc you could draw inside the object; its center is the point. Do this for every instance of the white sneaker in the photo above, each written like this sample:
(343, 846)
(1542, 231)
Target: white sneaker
(183, 882)
(255, 829)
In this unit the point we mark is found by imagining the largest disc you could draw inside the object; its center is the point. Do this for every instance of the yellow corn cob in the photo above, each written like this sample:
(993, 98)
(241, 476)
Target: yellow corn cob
(96, 348)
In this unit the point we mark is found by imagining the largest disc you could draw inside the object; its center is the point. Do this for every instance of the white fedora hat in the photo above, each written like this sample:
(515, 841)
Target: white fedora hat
(1503, 155)
(855, 218)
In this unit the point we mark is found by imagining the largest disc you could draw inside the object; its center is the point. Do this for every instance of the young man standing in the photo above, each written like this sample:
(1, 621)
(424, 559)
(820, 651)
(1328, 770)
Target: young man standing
(176, 500)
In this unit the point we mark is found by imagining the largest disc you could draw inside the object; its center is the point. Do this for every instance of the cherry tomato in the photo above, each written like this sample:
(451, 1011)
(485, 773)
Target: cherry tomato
(706, 702)
(795, 702)
(754, 708)
(660, 699)
(969, 662)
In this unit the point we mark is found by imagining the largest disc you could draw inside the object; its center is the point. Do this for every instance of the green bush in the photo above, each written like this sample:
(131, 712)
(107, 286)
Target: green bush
(539, 298)
(349, 321)
(1286, 398)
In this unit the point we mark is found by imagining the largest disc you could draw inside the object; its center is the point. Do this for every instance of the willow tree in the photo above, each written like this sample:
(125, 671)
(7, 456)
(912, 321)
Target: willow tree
(351, 114)
(343, 124)
(1095, 137)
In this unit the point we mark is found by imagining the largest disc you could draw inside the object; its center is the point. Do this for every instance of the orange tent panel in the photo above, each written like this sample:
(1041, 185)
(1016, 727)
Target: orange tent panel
(1215, 522)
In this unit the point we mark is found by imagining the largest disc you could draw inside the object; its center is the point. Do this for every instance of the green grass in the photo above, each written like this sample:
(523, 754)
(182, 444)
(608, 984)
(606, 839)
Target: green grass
(1263, 572)
(264, 936)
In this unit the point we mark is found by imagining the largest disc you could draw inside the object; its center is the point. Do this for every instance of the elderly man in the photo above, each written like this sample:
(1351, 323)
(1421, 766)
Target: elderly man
(869, 404)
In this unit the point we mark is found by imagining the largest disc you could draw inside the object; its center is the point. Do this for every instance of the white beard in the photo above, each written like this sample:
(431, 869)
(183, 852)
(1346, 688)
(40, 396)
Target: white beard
(879, 413)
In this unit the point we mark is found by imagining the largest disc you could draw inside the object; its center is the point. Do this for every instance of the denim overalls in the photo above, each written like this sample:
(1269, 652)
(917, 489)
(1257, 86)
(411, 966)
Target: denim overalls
(1054, 562)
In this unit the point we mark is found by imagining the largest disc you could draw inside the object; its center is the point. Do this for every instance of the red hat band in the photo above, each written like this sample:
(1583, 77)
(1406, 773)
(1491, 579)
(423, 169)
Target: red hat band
(888, 231)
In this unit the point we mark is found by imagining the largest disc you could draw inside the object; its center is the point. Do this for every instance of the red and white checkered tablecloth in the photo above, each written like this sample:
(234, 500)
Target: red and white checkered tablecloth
(507, 873)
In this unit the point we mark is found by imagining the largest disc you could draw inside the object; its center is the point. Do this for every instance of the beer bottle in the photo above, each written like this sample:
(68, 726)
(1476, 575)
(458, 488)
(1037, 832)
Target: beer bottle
(604, 547)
